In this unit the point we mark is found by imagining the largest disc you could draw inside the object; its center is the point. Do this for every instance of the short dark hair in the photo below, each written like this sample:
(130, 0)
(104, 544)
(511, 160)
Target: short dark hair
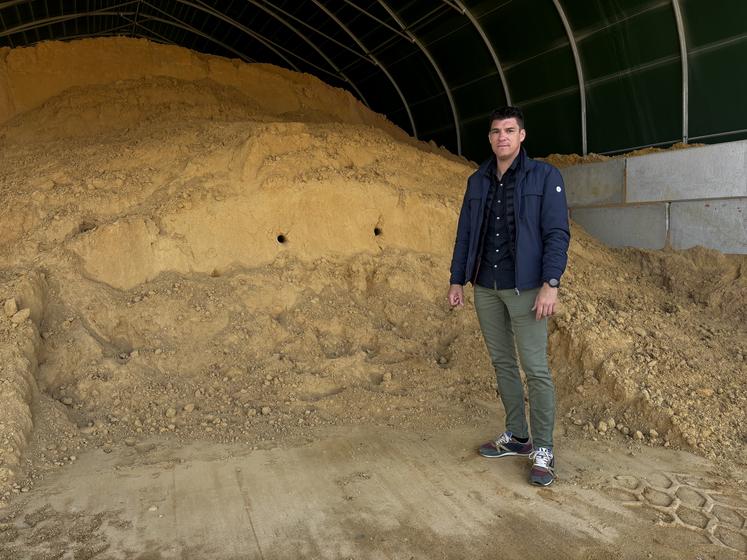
(507, 112)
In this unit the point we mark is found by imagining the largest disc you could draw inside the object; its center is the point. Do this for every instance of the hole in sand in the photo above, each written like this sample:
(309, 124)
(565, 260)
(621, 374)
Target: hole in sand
(86, 225)
(281, 238)
(377, 231)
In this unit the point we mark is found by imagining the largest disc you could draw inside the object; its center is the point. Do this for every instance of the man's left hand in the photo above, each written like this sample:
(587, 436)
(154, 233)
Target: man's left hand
(545, 302)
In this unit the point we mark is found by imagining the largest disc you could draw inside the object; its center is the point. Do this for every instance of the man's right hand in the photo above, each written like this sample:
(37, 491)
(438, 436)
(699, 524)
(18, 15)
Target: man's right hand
(456, 295)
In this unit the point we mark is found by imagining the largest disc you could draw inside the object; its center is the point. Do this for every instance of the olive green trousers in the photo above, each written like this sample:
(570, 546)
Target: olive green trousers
(508, 323)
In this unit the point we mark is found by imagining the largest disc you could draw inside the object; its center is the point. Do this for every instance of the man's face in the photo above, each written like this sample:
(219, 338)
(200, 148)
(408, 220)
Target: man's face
(505, 138)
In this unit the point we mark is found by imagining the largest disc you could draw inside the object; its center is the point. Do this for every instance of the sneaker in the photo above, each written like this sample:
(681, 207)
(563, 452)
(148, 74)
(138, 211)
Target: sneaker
(543, 468)
(506, 444)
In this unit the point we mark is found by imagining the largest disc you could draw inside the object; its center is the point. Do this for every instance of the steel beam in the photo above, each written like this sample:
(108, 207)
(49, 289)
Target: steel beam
(374, 60)
(379, 20)
(329, 61)
(58, 19)
(685, 79)
(176, 22)
(253, 34)
(579, 72)
(465, 10)
(427, 54)
(319, 32)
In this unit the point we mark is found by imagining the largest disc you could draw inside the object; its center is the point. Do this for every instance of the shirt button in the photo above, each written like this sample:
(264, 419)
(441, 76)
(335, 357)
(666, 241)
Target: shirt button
(499, 202)
(497, 234)
(497, 250)
(495, 266)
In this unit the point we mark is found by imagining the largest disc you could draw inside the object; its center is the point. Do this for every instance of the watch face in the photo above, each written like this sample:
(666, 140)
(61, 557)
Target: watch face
(553, 283)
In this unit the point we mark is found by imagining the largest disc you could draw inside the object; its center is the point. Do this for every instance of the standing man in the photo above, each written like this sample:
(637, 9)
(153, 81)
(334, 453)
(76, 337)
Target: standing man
(512, 244)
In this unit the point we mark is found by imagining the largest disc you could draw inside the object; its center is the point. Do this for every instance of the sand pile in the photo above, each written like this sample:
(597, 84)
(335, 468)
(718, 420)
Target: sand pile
(200, 265)
(567, 160)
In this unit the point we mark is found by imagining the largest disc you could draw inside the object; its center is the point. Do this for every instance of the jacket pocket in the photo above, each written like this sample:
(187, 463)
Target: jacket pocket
(531, 202)
(474, 202)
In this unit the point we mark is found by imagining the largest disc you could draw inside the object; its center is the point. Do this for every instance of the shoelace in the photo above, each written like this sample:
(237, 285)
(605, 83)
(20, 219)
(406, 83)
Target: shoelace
(542, 457)
(505, 437)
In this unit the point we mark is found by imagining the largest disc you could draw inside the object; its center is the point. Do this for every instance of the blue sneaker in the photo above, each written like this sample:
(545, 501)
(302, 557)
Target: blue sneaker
(504, 445)
(543, 468)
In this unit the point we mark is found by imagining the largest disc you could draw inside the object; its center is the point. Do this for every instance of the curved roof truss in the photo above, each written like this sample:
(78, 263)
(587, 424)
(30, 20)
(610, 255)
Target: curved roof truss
(373, 59)
(447, 90)
(630, 58)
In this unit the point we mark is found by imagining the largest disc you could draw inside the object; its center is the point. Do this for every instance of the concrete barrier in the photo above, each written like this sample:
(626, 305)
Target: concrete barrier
(595, 183)
(643, 226)
(712, 223)
(718, 171)
(696, 196)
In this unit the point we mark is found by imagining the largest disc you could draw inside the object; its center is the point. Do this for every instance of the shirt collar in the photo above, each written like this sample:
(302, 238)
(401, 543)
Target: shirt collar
(493, 166)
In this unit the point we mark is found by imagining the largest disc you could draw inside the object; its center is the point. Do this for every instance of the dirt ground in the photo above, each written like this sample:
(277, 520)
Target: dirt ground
(225, 335)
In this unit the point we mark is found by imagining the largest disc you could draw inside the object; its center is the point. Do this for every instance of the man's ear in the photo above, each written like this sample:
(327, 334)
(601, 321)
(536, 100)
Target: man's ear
(522, 134)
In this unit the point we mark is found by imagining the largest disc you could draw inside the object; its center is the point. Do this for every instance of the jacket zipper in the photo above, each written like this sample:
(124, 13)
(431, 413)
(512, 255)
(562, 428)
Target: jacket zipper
(517, 203)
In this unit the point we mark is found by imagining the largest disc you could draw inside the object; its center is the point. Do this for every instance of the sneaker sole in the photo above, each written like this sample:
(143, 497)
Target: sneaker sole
(506, 454)
(538, 483)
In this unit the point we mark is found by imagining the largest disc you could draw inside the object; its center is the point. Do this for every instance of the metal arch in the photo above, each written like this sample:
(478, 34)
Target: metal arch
(12, 3)
(488, 44)
(378, 20)
(319, 32)
(176, 22)
(58, 19)
(685, 78)
(312, 45)
(579, 72)
(427, 54)
(269, 44)
(375, 61)
(173, 22)
(110, 32)
(109, 11)
(134, 22)
(181, 24)
(258, 37)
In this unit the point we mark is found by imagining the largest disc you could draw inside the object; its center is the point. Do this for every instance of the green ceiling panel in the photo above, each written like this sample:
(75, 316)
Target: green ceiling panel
(554, 126)
(586, 15)
(708, 21)
(545, 74)
(718, 90)
(457, 68)
(648, 37)
(521, 30)
(479, 98)
(636, 109)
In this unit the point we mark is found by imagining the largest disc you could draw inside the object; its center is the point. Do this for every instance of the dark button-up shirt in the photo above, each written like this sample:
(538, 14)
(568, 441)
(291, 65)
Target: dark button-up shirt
(498, 230)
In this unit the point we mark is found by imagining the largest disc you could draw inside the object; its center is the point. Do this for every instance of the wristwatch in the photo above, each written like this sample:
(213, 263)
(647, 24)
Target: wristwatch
(553, 282)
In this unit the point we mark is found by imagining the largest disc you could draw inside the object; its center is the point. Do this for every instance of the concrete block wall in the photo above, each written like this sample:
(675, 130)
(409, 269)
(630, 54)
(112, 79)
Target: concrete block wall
(680, 198)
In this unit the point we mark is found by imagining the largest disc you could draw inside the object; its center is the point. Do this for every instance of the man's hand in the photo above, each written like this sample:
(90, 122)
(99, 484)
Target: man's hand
(456, 295)
(545, 302)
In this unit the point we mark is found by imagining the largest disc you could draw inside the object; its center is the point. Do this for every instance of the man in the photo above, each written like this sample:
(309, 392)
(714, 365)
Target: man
(512, 244)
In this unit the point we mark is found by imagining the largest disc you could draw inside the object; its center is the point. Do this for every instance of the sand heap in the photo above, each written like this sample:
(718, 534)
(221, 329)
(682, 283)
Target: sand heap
(180, 256)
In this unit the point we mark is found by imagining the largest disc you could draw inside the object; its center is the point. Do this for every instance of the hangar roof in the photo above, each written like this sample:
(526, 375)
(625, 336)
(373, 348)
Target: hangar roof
(599, 76)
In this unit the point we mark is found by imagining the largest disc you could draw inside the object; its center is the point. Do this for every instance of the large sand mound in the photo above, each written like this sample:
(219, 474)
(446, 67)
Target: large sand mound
(225, 260)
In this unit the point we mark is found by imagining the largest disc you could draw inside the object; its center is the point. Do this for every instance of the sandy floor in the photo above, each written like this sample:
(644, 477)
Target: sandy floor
(376, 493)
(224, 334)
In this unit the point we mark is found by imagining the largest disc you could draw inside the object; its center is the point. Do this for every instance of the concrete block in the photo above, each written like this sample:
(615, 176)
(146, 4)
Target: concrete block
(595, 183)
(643, 226)
(716, 224)
(717, 171)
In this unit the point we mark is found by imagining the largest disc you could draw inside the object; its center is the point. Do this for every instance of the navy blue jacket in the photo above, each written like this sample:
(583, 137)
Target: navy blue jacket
(541, 221)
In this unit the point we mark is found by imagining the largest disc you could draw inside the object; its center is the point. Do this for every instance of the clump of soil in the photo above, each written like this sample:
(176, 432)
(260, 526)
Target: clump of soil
(182, 262)
(567, 160)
